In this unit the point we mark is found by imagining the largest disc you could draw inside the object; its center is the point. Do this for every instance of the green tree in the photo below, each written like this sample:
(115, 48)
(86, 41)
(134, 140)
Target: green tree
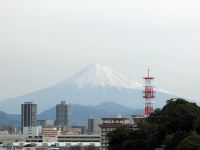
(172, 140)
(121, 138)
(191, 142)
(167, 126)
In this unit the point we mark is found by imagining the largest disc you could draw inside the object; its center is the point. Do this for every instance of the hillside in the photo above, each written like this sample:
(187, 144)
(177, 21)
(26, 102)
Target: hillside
(80, 114)
(10, 120)
(93, 85)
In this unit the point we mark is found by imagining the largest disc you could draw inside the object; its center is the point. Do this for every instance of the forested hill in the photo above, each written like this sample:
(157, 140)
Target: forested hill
(174, 127)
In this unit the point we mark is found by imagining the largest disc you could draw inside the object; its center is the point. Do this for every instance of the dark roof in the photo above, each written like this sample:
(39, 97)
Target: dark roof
(116, 118)
(114, 125)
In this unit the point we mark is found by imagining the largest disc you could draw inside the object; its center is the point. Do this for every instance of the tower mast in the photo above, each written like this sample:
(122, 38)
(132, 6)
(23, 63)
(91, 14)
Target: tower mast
(148, 94)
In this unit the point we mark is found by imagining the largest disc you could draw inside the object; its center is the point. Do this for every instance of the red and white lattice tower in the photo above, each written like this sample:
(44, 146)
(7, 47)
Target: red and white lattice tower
(148, 95)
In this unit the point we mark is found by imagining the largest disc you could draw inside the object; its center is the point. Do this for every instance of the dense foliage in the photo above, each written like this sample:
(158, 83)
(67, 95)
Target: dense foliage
(173, 127)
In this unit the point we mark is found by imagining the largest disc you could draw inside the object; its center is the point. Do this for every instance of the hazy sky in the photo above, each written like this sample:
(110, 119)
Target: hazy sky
(43, 42)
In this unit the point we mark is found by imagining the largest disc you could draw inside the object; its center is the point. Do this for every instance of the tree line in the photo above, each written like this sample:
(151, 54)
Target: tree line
(174, 127)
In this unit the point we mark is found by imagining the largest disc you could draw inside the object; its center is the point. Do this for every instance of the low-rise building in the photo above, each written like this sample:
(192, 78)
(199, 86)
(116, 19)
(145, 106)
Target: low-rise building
(50, 134)
(34, 140)
(82, 129)
(9, 139)
(56, 145)
(76, 130)
(10, 129)
(46, 123)
(110, 124)
(32, 131)
(79, 138)
(137, 119)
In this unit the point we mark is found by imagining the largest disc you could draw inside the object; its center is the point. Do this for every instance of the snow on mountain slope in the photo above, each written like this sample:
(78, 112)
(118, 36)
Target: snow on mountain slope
(91, 86)
(102, 76)
(99, 75)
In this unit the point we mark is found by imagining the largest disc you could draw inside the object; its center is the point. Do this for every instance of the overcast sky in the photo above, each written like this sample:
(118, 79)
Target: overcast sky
(43, 42)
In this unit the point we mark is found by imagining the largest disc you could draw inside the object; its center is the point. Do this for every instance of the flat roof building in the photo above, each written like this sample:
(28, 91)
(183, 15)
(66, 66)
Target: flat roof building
(93, 126)
(138, 119)
(50, 134)
(28, 115)
(110, 124)
(63, 116)
(79, 138)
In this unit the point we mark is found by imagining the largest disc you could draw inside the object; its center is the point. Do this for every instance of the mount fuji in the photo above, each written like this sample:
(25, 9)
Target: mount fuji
(92, 85)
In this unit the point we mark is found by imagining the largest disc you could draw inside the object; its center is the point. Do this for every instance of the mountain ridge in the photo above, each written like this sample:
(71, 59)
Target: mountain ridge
(94, 85)
(80, 114)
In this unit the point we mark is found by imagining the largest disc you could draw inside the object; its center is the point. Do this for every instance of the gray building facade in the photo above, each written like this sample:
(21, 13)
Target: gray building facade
(93, 126)
(63, 116)
(28, 115)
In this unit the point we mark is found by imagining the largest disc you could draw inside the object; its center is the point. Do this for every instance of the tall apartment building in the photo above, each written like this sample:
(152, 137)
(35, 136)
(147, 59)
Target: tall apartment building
(93, 126)
(28, 115)
(63, 116)
(110, 124)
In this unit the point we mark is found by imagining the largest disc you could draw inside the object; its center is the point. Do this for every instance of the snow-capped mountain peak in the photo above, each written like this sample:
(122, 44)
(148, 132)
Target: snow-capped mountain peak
(91, 86)
(99, 75)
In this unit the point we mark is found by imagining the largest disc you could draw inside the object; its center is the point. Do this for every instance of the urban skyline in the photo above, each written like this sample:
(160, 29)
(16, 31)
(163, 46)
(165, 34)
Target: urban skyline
(97, 55)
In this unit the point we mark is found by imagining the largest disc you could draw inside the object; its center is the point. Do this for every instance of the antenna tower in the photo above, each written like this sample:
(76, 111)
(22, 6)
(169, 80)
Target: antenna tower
(148, 95)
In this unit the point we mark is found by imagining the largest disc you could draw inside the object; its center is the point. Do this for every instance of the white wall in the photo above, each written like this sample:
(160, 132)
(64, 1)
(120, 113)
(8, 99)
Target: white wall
(32, 131)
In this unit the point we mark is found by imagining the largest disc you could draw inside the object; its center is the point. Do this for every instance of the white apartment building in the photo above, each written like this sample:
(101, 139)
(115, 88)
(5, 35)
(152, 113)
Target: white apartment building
(33, 131)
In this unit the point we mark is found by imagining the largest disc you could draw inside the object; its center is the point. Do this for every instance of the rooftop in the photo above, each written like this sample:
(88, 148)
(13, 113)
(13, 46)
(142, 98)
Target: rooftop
(115, 118)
